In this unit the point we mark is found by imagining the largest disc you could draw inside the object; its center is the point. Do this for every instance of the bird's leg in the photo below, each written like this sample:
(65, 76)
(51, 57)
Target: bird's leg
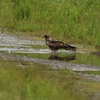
(53, 52)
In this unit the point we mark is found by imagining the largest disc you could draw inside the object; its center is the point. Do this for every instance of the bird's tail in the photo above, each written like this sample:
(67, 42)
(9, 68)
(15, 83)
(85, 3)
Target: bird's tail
(69, 47)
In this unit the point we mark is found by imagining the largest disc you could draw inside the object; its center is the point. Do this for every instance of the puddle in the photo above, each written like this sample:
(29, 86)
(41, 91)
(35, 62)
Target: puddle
(38, 49)
(18, 49)
(77, 58)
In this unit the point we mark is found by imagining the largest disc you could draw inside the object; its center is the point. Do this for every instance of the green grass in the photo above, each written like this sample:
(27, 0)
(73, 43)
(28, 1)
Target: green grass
(38, 82)
(69, 20)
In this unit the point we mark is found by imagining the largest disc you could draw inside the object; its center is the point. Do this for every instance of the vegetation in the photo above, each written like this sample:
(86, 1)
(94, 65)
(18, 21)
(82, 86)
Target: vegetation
(75, 20)
(35, 81)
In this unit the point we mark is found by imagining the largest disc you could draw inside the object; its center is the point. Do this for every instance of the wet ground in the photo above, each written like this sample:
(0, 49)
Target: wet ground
(18, 49)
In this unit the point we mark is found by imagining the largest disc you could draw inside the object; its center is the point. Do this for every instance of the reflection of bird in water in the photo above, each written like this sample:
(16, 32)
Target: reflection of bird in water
(65, 58)
(55, 45)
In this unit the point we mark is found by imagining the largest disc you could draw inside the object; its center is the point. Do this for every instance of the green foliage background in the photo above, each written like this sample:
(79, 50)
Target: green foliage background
(75, 20)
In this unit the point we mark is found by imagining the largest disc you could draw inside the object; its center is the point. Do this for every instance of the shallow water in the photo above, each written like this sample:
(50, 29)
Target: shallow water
(77, 58)
(38, 49)
(19, 50)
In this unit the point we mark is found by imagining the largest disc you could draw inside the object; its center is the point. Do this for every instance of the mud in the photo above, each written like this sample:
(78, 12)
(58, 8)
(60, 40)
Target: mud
(10, 44)
(55, 64)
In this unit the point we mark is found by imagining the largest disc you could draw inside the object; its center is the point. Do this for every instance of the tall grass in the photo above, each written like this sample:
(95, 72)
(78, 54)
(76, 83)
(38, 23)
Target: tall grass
(77, 20)
(38, 82)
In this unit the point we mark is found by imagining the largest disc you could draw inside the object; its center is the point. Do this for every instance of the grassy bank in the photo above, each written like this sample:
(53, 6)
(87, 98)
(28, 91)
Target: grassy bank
(68, 20)
(35, 81)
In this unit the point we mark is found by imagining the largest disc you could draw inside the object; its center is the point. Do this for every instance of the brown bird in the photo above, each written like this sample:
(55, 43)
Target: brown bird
(55, 45)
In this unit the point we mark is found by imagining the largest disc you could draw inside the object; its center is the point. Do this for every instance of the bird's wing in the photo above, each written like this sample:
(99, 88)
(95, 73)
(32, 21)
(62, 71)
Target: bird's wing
(55, 41)
(56, 44)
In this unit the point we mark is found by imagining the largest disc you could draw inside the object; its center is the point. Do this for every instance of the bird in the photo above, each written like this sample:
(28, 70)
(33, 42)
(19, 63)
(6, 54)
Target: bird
(55, 45)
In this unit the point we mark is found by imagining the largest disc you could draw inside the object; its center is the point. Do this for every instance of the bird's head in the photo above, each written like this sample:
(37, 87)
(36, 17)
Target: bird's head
(46, 37)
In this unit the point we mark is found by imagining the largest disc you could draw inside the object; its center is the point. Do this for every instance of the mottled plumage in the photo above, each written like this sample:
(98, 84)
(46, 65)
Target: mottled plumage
(55, 45)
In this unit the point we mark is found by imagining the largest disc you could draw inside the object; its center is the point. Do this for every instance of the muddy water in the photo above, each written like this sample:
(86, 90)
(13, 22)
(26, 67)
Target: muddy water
(38, 50)
(75, 58)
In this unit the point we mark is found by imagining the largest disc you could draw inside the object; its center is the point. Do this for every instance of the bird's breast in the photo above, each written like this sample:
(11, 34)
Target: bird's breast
(47, 42)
